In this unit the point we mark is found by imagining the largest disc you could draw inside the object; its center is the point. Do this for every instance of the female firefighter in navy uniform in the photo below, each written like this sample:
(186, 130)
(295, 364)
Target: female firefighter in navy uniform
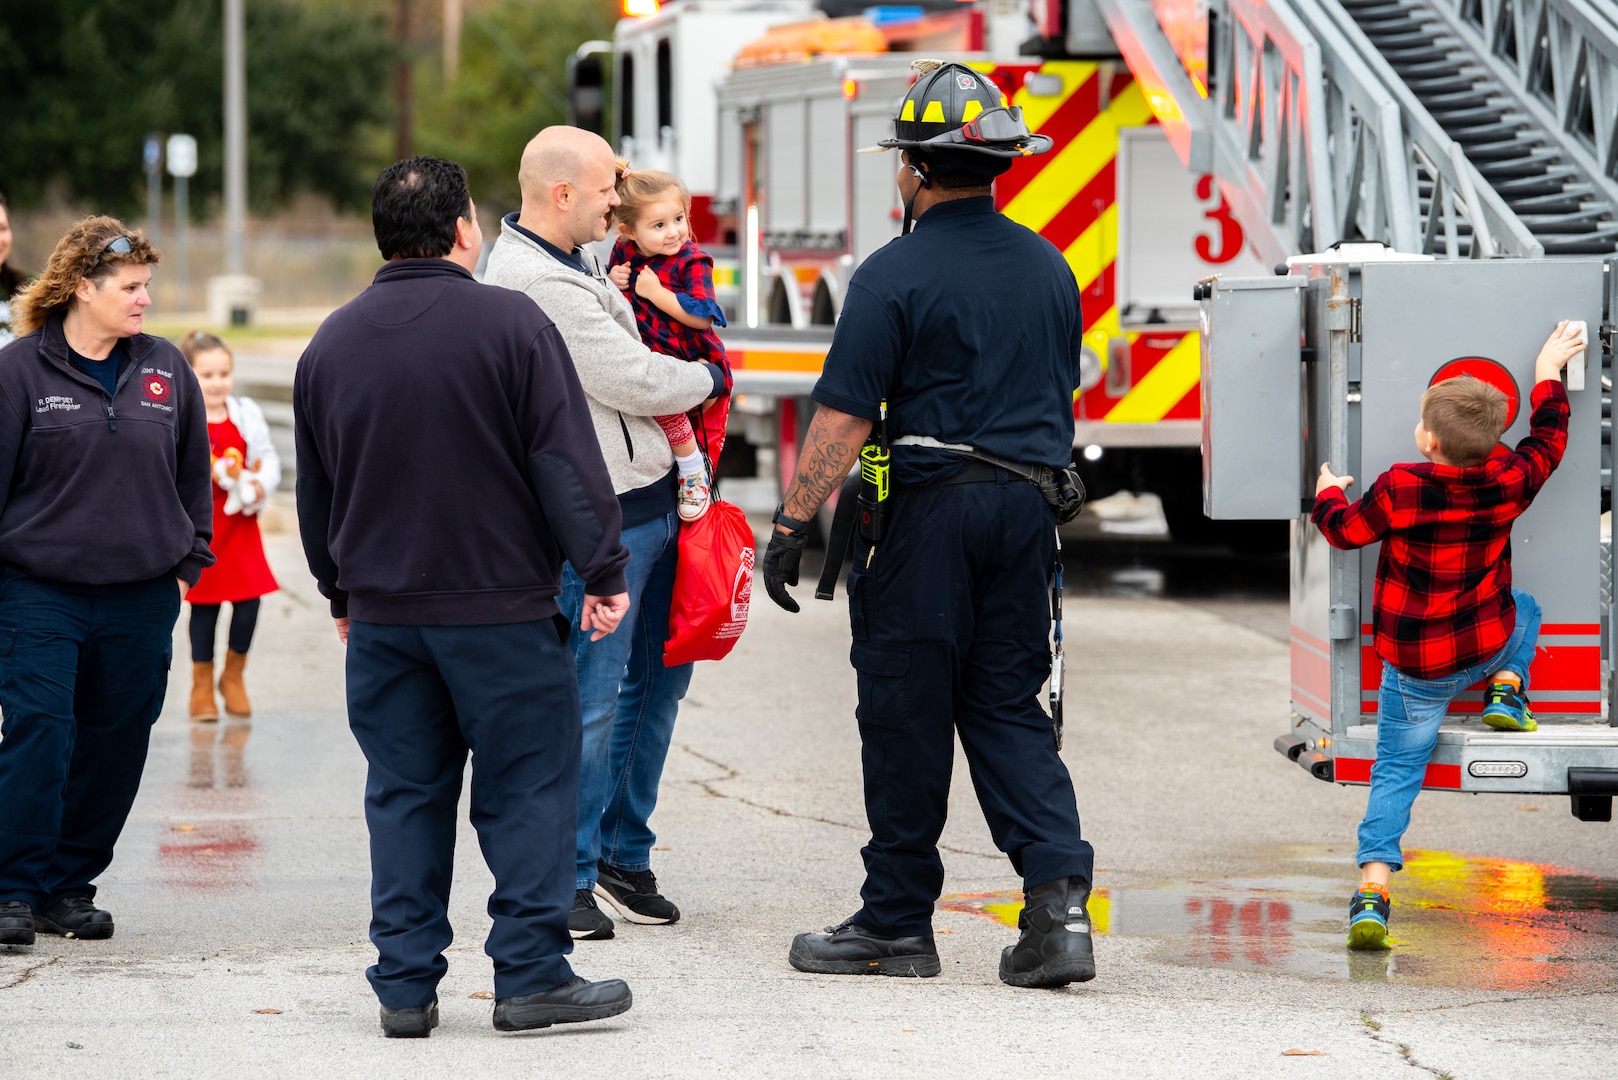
(962, 339)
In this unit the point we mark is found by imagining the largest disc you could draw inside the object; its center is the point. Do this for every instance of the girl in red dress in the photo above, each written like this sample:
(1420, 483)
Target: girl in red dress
(246, 469)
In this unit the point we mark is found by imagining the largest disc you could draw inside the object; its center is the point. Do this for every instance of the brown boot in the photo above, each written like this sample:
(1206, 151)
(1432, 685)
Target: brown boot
(203, 705)
(231, 685)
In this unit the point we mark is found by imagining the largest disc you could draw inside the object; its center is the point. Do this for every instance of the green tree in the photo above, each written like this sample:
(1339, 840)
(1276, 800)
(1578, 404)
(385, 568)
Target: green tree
(87, 80)
(512, 82)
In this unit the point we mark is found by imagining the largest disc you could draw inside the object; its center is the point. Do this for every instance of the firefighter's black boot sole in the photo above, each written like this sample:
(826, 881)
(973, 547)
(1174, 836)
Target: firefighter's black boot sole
(805, 956)
(416, 1023)
(574, 1002)
(1055, 947)
(1057, 971)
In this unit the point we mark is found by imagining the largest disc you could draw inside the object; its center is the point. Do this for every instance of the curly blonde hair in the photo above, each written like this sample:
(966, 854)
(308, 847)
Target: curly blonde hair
(636, 189)
(81, 253)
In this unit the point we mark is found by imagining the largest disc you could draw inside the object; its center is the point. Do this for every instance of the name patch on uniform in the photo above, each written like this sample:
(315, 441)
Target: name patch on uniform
(56, 401)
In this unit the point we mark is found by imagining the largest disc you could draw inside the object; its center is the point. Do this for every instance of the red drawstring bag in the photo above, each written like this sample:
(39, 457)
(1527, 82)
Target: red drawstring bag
(713, 586)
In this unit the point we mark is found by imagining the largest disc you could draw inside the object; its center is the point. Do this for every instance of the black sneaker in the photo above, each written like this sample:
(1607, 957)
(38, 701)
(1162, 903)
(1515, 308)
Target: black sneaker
(1055, 947)
(16, 923)
(574, 1002)
(633, 893)
(847, 949)
(586, 922)
(416, 1023)
(76, 917)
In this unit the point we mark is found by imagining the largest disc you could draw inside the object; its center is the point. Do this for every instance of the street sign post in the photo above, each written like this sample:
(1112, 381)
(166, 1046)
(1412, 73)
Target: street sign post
(182, 161)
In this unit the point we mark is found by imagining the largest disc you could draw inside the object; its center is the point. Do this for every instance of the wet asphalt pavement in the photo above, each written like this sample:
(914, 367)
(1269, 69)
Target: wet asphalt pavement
(1223, 874)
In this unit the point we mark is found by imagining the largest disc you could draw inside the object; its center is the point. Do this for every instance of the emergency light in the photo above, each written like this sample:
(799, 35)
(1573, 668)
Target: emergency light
(637, 9)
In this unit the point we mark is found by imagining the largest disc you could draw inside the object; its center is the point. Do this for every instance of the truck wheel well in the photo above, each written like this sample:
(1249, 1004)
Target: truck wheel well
(823, 312)
(780, 307)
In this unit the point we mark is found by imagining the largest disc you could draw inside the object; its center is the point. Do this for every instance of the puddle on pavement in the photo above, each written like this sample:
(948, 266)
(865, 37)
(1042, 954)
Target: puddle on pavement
(208, 855)
(1458, 920)
(217, 752)
(197, 850)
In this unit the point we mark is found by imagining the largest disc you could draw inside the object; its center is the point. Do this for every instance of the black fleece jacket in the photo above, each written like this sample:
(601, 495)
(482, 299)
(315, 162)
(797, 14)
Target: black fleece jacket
(446, 459)
(97, 490)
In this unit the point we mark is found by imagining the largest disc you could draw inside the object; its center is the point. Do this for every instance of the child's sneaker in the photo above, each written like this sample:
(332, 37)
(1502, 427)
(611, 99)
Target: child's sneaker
(1368, 918)
(693, 498)
(1506, 708)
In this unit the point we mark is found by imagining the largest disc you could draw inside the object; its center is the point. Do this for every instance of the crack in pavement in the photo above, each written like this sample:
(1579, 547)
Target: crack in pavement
(1373, 1028)
(28, 973)
(732, 774)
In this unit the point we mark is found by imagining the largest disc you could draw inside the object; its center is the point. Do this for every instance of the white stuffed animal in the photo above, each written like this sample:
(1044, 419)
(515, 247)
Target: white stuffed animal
(246, 493)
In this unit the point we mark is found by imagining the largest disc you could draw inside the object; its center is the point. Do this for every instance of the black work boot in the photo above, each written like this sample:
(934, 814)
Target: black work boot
(1055, 947)
(413, 1023)
(847, 949)
(76, 917)
(574, 1002)
(16, 923)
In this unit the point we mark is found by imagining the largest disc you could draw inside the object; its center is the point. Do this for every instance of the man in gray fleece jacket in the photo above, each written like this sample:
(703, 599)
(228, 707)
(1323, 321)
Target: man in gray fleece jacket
(629, 698)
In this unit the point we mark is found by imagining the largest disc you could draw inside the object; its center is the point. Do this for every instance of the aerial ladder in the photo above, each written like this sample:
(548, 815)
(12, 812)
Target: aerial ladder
(1436, 182)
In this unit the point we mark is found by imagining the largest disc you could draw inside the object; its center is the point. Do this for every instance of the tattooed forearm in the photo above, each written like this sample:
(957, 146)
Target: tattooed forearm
(829, 450)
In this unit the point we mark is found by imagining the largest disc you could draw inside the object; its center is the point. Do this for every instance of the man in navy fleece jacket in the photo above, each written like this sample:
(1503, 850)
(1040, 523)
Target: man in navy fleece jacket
(447, 465)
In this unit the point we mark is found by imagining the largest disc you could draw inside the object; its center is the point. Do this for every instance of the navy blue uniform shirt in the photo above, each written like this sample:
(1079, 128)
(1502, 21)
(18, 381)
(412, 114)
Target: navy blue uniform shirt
(969, 327)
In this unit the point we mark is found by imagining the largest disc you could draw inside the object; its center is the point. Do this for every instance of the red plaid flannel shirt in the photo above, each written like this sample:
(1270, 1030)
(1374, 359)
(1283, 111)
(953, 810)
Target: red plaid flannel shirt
(1443, 581)
(688, 273)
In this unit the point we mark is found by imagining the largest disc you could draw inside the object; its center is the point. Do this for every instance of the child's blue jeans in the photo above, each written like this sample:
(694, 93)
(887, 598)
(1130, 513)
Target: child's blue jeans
(1409, 712)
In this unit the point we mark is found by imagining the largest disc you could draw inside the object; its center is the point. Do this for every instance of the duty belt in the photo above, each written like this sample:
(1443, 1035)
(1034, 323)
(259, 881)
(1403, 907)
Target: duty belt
(984, 468)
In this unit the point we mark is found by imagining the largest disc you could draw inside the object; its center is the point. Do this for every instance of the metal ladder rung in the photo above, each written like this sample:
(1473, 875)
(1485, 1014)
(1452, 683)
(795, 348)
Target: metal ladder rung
(1426, 54)
(1387, 43)
(1470, 98)
(1487, 135)
(1572, 221)
(1465, 80)
(1448, 67)
(1492, 114)
(1578, 245)
(1569, 199)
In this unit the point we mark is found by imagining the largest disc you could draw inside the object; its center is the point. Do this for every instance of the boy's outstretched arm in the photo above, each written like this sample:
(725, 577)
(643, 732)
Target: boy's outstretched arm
(1350, 525)
(1540, 451)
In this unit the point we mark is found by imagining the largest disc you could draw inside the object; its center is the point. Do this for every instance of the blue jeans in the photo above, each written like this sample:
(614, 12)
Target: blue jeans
(1409, 712)
(629, 701)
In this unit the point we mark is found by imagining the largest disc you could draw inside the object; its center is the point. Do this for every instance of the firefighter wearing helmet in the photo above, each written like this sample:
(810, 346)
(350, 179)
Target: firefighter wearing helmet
(950, 382)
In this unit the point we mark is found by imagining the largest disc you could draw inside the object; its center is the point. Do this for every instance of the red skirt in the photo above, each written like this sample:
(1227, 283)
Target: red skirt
(240, 570)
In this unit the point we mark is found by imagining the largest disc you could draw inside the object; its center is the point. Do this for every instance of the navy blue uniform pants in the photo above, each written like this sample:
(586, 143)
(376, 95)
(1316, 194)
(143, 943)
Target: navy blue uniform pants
(951, 624)
(419, 699)
(83, 670)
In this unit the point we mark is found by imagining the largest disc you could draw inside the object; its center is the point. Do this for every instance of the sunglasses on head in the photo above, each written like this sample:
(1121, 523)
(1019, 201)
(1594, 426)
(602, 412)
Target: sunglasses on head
(121, 245)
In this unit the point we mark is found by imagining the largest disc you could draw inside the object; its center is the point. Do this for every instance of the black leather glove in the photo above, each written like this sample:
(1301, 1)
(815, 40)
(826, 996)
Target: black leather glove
(781, 566)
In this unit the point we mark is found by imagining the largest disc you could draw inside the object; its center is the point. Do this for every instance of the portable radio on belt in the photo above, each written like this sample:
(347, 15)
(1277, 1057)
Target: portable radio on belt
(875, 461)
(1058, 661)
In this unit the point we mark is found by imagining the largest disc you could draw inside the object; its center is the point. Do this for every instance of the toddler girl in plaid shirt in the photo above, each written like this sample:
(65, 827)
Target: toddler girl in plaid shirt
(1445, 613)
(669, 282)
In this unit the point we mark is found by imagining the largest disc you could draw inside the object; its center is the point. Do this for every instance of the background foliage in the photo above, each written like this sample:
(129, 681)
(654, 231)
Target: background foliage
(87, 80)
(512, 82)
(82, 83)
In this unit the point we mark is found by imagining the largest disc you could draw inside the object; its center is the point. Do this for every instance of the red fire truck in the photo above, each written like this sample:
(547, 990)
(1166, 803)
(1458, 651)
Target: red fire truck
(758, 106)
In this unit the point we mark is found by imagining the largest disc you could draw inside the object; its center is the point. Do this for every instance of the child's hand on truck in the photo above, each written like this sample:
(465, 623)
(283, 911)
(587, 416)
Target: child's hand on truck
(1327, 480)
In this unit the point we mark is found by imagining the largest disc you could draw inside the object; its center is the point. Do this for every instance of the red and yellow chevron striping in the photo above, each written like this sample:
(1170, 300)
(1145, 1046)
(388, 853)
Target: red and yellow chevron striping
(1070, 197)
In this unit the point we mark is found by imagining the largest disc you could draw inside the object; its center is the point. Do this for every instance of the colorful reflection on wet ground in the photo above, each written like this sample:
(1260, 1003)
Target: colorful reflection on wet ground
(1458, 920)
(212, 840)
